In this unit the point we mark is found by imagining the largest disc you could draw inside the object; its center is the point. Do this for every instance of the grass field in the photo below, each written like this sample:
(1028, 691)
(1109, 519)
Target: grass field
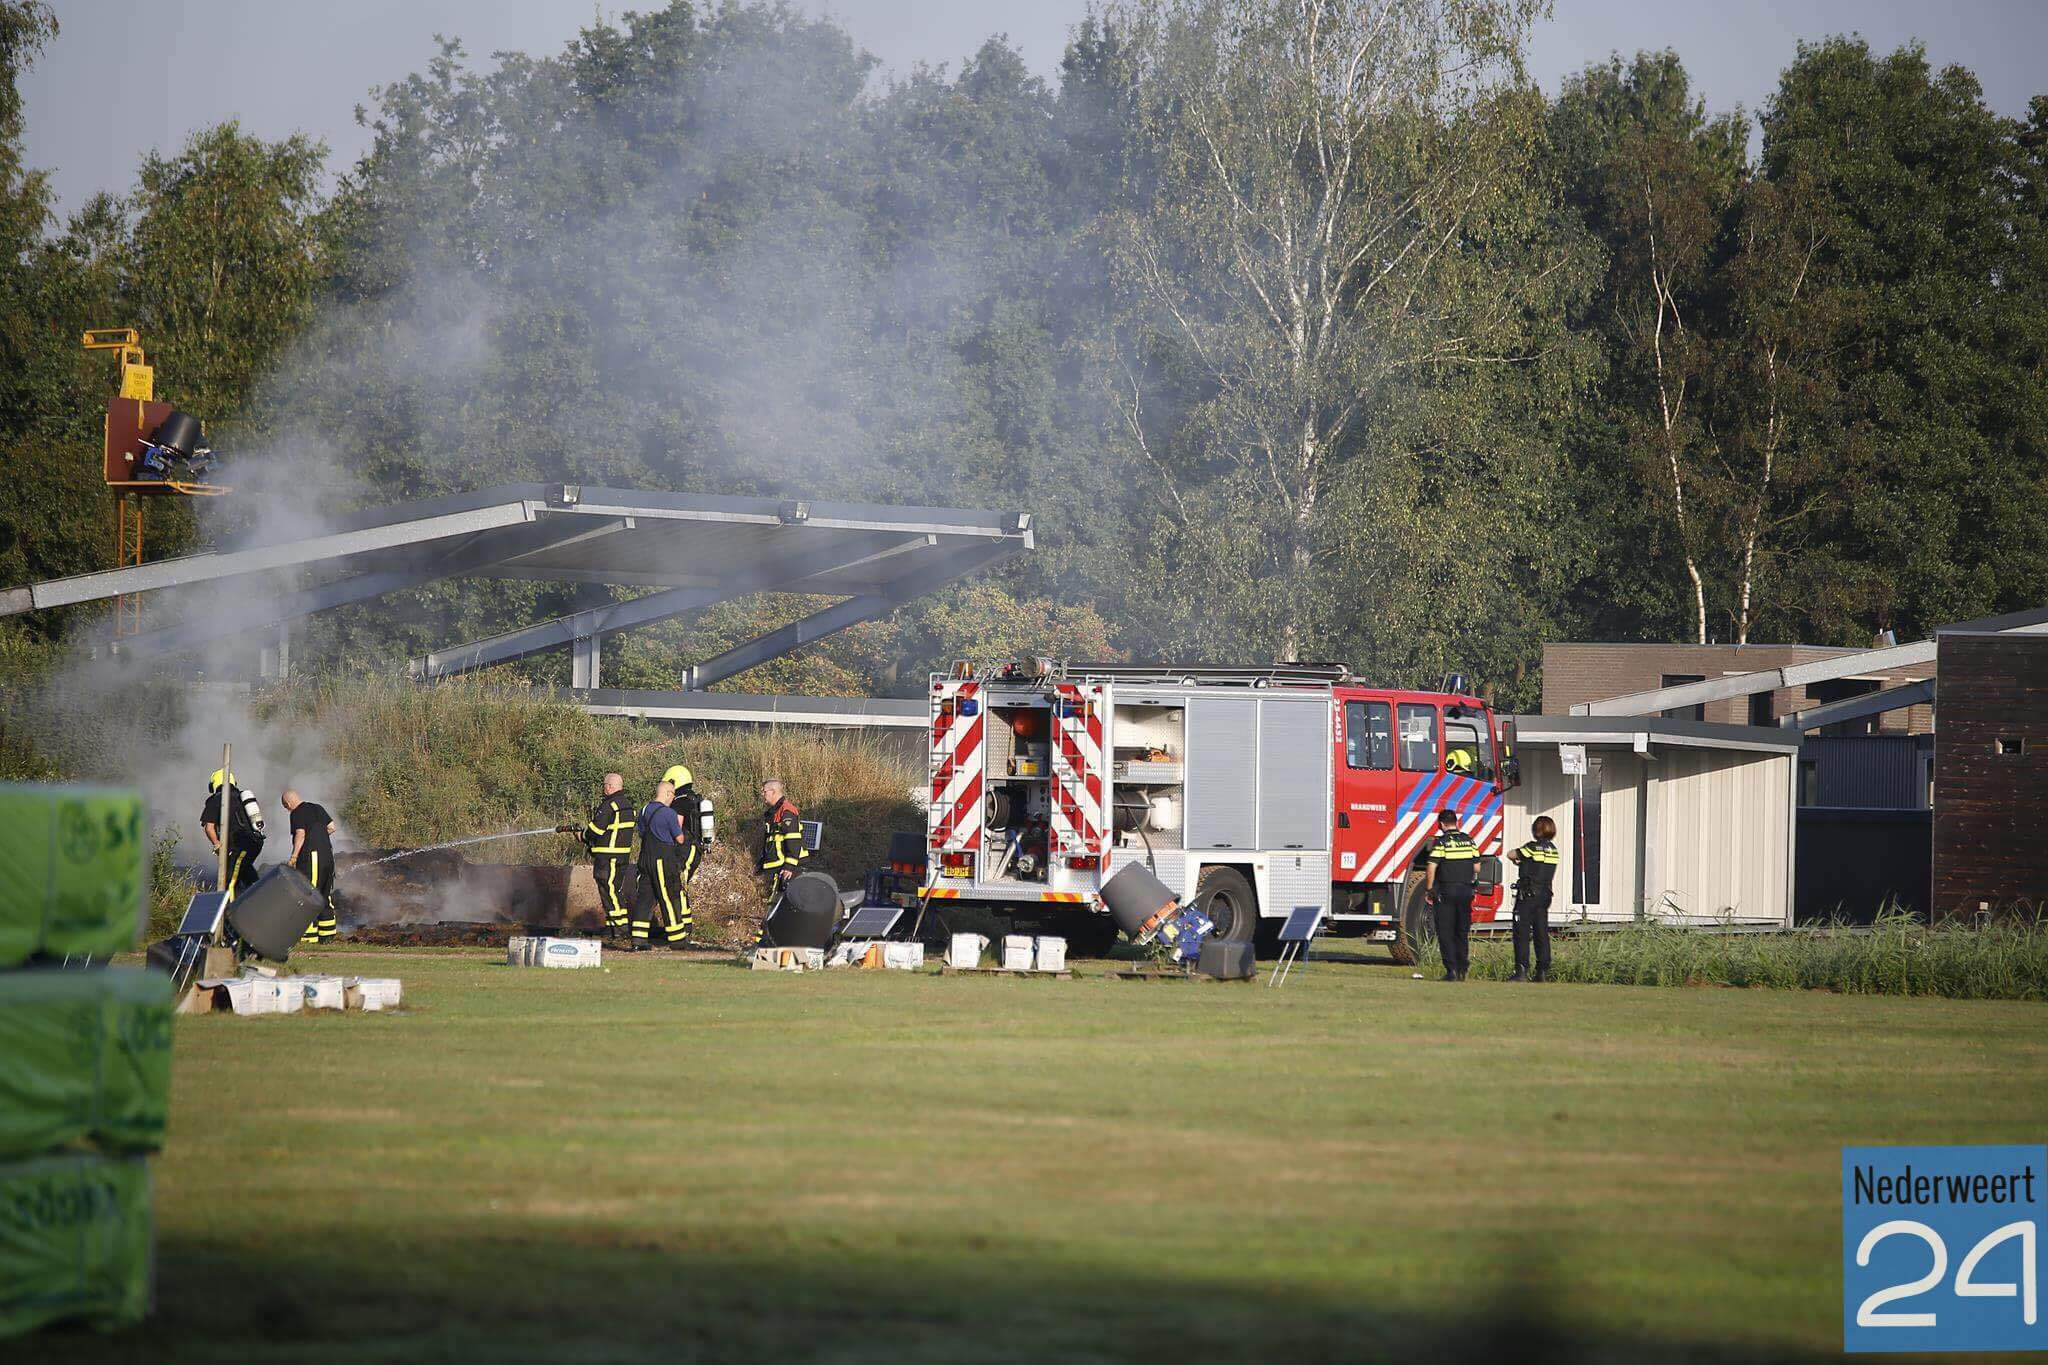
(682, 1159)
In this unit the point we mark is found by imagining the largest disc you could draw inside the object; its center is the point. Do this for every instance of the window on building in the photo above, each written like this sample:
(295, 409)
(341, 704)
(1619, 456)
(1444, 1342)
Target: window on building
(1418, 738)
(1841, 689)
(1762, 708)
(1369, 735)
(2009, 746)
(1695, 712)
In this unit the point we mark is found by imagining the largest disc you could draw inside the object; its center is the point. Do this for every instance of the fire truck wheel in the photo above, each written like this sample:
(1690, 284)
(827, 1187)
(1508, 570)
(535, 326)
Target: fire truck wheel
(1226, 898)
(1416, 926)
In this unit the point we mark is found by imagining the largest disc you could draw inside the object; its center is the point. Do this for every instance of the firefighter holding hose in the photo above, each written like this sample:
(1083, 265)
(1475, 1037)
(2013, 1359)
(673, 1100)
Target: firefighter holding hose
(661, 874)
(608, 835)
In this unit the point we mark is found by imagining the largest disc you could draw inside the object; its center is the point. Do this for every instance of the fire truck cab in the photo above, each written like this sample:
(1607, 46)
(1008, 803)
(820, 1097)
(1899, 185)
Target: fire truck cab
(1249, 792)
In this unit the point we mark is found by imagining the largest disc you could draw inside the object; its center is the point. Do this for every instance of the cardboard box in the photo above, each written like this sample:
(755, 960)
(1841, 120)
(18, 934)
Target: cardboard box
(243, 997)
(287, 996)
(788, 959)
(1050, 953)
(324, 992)
(903, 957)
(373, 993)
(964, 951)
(849, 952)
(1018, 952)
(569, 952)
(519, 950)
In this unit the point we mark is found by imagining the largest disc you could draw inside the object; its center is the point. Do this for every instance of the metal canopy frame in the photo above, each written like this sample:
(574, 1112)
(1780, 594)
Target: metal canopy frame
(693, 551)
(1859, 662)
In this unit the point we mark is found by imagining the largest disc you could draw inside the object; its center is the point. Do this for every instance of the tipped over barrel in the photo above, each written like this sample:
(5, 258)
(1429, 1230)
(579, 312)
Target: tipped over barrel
(1138, 901)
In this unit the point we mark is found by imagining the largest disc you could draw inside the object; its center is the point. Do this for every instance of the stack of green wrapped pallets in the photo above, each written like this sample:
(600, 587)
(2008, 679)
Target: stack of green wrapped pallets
(85, 1060)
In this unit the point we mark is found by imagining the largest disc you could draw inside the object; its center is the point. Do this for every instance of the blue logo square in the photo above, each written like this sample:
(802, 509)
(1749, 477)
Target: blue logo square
(1941, 1248)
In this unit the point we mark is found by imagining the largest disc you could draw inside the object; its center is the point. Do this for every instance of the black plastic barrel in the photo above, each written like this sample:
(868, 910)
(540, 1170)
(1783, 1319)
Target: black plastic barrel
(272, 914)
(806, 913)
(1134, 896)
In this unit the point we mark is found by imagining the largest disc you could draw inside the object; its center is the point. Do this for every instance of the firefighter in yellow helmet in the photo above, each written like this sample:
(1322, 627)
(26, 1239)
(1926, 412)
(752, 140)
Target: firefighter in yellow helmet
(242, 827)
(694, 809)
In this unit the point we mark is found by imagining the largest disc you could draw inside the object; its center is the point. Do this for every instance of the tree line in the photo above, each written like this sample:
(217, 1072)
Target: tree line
(1306, 330)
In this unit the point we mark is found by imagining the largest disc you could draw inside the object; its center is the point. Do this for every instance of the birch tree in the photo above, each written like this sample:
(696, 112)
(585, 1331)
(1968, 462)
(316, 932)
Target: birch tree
(1313, 170)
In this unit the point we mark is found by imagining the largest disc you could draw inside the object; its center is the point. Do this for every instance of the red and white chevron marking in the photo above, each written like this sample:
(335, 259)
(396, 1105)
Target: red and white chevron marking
(1389, 862)
(956, 756)
(1078, 793)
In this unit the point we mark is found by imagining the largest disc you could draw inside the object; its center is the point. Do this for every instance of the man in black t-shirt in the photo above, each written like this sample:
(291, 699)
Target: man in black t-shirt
(313, 856)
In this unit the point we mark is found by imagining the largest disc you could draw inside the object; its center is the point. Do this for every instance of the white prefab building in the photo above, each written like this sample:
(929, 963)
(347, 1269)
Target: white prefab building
(1673, 820)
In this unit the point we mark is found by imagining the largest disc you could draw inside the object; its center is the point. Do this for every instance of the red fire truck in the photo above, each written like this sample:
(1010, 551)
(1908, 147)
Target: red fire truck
(1249, 792)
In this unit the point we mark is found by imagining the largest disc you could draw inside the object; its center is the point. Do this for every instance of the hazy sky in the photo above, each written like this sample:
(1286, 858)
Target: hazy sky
(303, 65)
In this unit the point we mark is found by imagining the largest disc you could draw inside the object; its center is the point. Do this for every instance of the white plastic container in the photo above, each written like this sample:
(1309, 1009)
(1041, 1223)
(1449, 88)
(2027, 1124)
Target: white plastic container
(1017, 952)
(964, 951)
(323, 992)
(373, 993)
(1051, 954)
(569, 952)
(903, 957)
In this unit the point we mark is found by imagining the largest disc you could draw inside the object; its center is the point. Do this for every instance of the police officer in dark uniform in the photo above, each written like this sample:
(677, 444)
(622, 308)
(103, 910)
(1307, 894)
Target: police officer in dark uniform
(661, 874)
(1453, 868)
(1537, 860)
(609, 837)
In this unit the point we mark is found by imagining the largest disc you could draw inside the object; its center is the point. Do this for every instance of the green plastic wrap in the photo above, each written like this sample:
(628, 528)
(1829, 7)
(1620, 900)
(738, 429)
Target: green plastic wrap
(84, 1054)
(77, 1242)
(74, 871)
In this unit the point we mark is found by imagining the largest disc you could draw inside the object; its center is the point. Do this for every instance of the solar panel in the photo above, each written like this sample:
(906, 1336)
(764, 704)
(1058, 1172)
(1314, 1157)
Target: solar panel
(1302, 924)
(203, 914)
(872, 921)
(814, 833)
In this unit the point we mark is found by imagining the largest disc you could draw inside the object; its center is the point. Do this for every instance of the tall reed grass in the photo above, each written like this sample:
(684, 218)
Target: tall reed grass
(1900, 954)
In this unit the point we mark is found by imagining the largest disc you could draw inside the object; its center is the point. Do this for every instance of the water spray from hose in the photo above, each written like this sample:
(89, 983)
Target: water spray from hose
(452, 843)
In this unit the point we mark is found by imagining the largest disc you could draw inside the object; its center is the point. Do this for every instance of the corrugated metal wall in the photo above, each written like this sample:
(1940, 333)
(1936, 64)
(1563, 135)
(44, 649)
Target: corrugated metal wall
(1720, 838)
(1886, 772)
(1719, 834)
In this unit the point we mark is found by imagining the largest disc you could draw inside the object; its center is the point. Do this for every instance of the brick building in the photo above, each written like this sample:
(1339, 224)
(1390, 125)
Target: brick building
(1575, 674)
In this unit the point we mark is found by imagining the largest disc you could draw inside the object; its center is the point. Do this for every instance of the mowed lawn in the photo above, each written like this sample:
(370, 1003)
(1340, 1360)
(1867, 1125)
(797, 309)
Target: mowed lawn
(674, 1160)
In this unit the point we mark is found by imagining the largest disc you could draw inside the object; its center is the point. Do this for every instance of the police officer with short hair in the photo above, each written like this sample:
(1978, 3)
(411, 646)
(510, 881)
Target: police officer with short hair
(1537, 860)
(1453, 870)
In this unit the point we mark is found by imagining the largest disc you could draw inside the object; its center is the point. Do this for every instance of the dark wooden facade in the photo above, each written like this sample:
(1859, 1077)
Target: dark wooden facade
(1991, 774)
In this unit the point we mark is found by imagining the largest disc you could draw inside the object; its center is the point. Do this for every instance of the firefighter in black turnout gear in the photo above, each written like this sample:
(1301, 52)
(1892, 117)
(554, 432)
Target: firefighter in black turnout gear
(608, 835)
(243, 829)
(693, 808)
(313, 855)
(661, 874)
(1537, 860)
(782, 836)
(1453, 869)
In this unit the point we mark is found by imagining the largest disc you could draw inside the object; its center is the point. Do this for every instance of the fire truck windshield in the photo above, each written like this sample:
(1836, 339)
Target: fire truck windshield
(1468, 747)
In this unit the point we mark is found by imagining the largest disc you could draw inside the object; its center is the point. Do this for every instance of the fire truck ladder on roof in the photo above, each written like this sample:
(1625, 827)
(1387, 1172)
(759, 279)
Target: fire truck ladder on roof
(1241, 677)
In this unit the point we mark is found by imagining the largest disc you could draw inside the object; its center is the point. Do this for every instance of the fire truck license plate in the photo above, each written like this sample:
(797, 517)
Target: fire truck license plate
(1381, 936)
(959, 871)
